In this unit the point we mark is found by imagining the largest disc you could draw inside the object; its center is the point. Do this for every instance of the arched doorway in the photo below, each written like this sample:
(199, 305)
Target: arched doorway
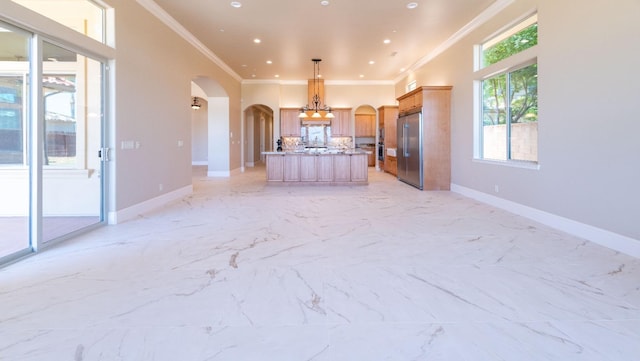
(258, 134)
(218, 126)
(199, 127)
(366, 131)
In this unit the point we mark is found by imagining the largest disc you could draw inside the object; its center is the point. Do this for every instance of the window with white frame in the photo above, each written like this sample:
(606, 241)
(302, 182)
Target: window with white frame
(507, 86)
(411, 86)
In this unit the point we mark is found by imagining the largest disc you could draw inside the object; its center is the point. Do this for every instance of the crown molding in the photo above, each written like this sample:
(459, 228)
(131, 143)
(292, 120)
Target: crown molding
(482, 18)
(174, 25)
(168, 20)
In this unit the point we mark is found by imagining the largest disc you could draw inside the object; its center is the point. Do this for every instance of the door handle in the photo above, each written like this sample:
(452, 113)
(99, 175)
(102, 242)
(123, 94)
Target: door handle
(103, 154)
(405, 140)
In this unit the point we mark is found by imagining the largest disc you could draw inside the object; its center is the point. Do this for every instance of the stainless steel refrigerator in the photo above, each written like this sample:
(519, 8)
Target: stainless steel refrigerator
(409, 152)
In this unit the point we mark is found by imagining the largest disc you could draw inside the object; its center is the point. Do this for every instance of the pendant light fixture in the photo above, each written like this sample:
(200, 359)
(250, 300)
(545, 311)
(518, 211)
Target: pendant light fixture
(316, 108)
(196, 104)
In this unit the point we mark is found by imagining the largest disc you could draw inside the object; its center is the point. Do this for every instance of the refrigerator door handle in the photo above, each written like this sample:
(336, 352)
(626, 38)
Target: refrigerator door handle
(405, 140)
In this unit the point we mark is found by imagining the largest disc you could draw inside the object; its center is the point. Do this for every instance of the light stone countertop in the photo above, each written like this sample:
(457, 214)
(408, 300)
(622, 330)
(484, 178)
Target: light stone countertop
(323, 152)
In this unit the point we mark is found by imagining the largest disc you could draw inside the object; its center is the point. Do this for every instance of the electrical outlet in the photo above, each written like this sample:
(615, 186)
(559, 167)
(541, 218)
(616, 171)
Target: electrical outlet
(497, 188)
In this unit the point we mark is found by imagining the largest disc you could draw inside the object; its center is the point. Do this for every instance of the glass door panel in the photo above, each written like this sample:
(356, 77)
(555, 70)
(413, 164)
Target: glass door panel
(14, 171)
(71, 179)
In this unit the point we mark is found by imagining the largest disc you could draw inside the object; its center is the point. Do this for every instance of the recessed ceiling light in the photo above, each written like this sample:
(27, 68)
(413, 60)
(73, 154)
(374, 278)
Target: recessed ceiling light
(244, 65)
(371, 62)
(402, 69)
(257, 41)
(236, 4)
(253, 75)
(324, 2)
(387, 41)
(362, 75)
(277, 76)
(269, 62)
(222, 30)
(412, 5)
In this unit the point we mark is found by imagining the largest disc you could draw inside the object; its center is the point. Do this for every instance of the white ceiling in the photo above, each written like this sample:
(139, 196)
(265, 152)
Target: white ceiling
(346, 34)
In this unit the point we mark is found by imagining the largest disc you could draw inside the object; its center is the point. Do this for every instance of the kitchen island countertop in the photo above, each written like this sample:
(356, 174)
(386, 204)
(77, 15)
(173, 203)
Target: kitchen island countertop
(312, 166)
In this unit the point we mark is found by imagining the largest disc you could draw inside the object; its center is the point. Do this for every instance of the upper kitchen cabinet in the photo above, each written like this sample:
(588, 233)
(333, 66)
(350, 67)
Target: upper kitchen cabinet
(365, 125)
(341, 123)
(289, 122)
(410, 102)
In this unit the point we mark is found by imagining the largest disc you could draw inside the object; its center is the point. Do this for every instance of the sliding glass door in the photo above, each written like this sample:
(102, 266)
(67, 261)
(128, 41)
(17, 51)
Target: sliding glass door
(14, 141)
(71, 178)
(51, 175)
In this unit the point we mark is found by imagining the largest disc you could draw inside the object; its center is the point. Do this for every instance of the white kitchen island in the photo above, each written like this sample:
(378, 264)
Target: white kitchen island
(317, 167)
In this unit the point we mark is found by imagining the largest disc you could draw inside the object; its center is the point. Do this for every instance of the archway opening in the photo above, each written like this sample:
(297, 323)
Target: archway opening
(258, 134)
(218, 126)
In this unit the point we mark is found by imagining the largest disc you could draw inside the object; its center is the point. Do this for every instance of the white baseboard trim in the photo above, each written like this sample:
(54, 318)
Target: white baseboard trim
(225, 173)
(148, 205)
(600, 236)
(219, 173)
(199, 162)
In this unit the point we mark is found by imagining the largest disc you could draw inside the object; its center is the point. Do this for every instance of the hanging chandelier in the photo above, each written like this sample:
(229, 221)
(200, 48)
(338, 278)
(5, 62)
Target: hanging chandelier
(316, 108)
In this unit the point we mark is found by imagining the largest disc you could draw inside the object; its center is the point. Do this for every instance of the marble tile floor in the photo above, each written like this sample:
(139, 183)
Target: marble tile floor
(242, 270)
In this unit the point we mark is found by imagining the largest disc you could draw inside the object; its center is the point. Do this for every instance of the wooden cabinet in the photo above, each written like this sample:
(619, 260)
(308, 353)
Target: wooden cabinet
(365, 125)
(291, 168)
(435, 103)
(342, 168)
(275, 168)
(371, 160)
(391, 165)
(390, 132)
(289, 122)
(411, 101)
(359, 172)
(390, 142)
(387, 114)
(308, 168)
(341, 123)
(325, 168)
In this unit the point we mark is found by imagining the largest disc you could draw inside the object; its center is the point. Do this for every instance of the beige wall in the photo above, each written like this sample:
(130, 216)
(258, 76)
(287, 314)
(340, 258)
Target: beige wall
(153, 74)
(588, 124)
